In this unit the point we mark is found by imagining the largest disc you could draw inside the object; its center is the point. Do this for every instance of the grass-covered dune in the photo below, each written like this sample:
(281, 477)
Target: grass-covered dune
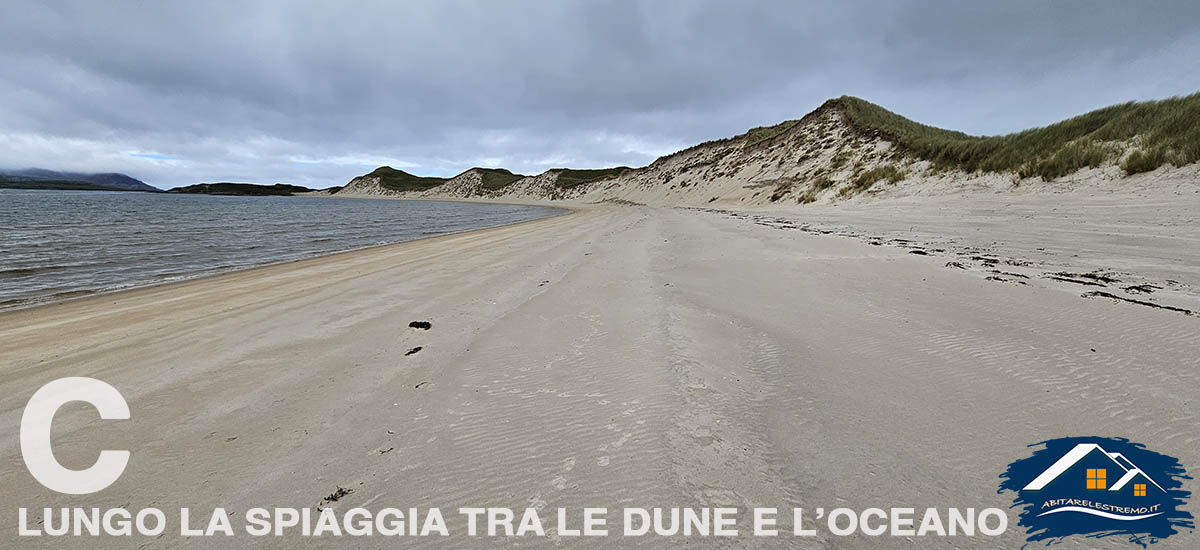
(1157, 133)
(496, 178)
(399, 180)
(825, 148)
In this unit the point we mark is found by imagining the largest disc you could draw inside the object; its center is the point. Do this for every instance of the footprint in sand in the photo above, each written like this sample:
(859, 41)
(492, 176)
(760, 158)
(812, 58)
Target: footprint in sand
(559, 483)
(602, 461)
(569, 464)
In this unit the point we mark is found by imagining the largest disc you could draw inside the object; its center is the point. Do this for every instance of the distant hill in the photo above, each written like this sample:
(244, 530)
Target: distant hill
(38, 178)
(244, 189)
(7, 182)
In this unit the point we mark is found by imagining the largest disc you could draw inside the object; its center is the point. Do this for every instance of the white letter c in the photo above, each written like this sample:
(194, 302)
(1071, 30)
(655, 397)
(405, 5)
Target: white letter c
(35, 435)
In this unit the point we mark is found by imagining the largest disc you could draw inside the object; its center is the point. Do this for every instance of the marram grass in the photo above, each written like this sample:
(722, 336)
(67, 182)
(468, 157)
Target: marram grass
(1159, 132)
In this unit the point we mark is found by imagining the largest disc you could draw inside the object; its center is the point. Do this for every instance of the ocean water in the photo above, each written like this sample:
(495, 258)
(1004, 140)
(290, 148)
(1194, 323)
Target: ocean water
(56, 245)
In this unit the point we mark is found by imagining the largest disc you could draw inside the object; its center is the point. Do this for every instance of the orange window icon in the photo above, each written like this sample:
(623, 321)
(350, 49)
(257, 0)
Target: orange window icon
(1139, 489)
(1097, 478)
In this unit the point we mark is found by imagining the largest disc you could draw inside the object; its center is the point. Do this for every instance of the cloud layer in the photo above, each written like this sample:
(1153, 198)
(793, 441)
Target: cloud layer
(176, 93)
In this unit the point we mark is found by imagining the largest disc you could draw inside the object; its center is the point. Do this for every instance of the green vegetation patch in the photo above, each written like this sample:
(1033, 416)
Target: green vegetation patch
(568, 178)
(497, 178)
(399, 180)
(815, 187)
(1144, 161)
(1165, 131)
(864, 180)
(867, 178)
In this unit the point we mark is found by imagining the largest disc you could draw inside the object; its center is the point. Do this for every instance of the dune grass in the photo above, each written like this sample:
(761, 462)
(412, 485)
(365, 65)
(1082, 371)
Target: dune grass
(497, 178)
(887, 172)
(782, 187)
(822, 183)
(815, 187)
(1164, 131)
(865, 179)
(568, 178)
(399, 180)
(763, 133)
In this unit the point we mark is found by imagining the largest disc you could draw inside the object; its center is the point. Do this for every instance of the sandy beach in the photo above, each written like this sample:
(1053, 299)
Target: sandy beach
(548, 275)
(617, 356)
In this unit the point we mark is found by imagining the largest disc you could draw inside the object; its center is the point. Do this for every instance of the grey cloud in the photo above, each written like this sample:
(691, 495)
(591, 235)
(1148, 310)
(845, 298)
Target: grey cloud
(317, 93)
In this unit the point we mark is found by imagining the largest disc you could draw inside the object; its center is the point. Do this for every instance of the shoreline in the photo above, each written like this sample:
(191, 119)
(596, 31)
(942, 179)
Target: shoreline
(98, 294)
(510, 201)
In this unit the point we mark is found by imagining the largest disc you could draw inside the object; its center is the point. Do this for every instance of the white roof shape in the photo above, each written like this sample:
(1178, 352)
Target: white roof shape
(1120, 458)
(1075, 455)
(1125, 479)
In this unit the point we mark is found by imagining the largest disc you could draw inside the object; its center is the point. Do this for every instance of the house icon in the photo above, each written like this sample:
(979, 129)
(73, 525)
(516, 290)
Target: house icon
(1089, 467)
(1099, 487)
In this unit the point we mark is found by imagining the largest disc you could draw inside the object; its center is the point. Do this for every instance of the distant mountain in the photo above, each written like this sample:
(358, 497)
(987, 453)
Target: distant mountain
(245, 189)
(38, 178)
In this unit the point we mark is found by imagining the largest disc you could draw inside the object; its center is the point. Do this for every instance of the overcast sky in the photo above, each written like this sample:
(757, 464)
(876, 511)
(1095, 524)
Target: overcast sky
(176, 93)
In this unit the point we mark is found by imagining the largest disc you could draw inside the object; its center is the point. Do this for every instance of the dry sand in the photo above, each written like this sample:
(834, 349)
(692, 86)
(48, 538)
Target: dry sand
(619, 356)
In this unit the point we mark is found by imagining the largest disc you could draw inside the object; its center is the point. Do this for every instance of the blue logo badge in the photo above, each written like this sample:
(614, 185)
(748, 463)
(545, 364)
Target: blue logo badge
(1098, 487)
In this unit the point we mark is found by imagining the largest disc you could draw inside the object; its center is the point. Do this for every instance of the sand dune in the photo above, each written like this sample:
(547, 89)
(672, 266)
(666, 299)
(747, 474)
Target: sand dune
(849, 151)
(619, 356)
